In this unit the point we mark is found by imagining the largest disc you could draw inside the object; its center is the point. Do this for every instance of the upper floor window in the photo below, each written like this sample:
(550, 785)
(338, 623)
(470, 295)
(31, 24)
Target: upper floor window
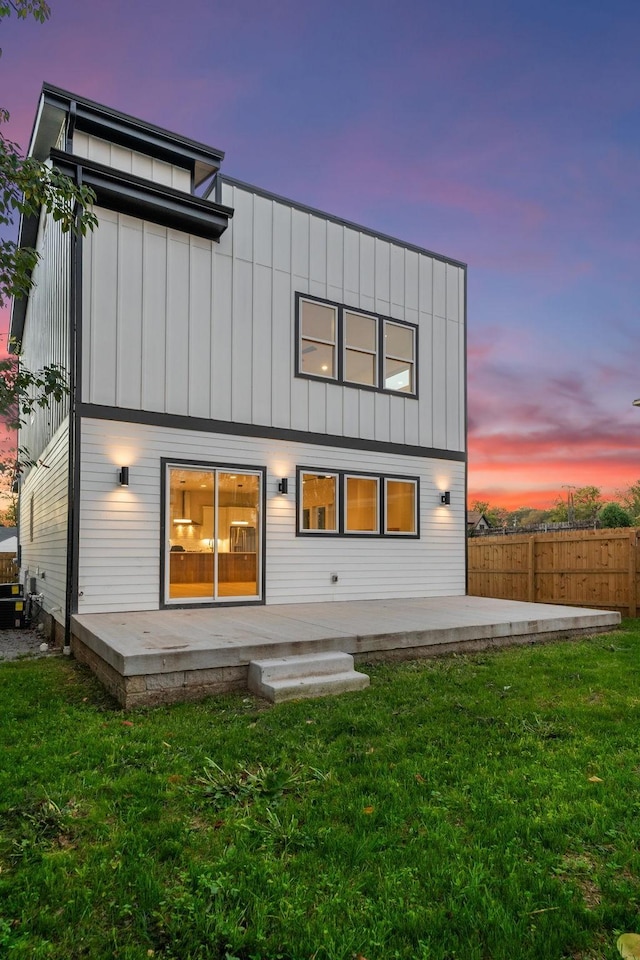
(399, 357)
(353, 347)
(318, 335)
(360, 348)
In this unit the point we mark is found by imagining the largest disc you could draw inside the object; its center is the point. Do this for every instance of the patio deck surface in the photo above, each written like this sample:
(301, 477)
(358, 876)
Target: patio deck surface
(169, 655)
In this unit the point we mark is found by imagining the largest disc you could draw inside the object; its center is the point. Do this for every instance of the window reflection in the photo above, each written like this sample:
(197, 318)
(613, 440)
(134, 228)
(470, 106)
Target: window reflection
(319, 502)
(400, 506)
(361, 504)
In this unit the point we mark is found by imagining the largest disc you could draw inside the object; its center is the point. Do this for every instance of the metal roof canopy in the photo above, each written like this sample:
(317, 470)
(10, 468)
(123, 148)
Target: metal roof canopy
(121, 128)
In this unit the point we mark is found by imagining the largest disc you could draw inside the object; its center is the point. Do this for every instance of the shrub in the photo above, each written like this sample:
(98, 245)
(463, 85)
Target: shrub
(613, 515)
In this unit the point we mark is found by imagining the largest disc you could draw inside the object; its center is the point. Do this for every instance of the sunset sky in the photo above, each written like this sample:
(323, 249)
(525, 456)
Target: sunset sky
(502, 133)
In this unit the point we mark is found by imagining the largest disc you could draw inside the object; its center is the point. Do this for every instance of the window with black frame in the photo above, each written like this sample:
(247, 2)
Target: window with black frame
(341, 503)
(354, 347)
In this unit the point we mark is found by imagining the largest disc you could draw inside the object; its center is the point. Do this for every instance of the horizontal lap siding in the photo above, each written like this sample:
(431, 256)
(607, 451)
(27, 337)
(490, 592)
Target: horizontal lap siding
(207, 329)
(120, 527)
(47, 552)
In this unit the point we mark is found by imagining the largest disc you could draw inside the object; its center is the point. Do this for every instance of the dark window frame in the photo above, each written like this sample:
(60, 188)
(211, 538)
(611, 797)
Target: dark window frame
(341, 348)
(342, 532)
(165, 493)
(316, 531)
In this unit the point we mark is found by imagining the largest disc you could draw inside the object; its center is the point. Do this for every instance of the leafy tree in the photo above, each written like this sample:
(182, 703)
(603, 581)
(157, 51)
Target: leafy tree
(26, 186)
(613, 515)
(581, 504)
(530, 517)
(560, 511)
(587, 502)
(630, 501)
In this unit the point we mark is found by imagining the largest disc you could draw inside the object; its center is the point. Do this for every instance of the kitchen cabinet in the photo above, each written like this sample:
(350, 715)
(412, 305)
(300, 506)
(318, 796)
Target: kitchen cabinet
(198, 567)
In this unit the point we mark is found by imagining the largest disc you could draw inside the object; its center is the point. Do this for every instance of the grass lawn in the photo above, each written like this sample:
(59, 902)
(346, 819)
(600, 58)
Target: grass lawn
(471, 807)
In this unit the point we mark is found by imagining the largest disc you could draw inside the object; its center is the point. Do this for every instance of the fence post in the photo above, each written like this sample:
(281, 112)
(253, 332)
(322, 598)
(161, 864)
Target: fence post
(531, 585)
(633, 577)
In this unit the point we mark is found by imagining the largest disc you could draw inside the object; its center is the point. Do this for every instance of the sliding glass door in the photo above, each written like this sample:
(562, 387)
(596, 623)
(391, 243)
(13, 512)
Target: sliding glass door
(213, 534)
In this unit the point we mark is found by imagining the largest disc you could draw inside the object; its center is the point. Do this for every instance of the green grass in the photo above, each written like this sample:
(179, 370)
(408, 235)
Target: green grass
(446, 812)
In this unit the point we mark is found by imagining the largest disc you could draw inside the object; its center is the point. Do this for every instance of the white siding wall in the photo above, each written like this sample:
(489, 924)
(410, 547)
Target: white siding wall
(45, 556)
(120, 527)
(46, 331)
(131, 161)
(181, 325)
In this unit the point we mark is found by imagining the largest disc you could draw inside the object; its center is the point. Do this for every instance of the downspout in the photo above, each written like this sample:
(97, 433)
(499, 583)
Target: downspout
(466, 439)
(73, 484)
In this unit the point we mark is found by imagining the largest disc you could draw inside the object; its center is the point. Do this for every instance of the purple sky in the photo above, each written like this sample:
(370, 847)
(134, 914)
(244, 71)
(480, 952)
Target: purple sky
(502, 133)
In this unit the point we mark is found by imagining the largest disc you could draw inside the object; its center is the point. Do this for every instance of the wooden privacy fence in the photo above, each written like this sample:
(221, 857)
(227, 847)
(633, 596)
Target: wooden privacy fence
(585, 568)
(8, 568)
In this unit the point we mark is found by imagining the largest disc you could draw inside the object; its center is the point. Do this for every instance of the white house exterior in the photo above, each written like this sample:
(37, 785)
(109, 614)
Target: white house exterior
(285, 390)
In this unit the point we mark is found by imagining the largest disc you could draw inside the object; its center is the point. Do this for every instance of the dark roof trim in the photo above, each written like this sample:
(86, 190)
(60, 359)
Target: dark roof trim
(202, 425)
(230, 181)
(141, 198)
(27, 238)
(128, 131)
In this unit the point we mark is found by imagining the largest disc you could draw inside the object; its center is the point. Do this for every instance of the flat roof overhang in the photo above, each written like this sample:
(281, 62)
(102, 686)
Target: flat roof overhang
(57, 104)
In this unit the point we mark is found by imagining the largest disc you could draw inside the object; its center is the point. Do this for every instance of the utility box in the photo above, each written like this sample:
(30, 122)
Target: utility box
(11, 612)
(11, 590)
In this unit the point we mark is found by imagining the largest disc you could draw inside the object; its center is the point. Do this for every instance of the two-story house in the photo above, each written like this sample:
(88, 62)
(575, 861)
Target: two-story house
(267, 403)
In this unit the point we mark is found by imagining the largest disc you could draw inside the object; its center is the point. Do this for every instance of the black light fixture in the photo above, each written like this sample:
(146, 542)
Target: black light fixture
(123, 476)
(636, 403)
(283, 485)
(445, 498)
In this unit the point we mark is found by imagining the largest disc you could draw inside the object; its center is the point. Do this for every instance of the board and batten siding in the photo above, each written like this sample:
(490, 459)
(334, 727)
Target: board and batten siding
(120, 548)
(46, 331)
(177, 324)
(44, 496)
(131, 161)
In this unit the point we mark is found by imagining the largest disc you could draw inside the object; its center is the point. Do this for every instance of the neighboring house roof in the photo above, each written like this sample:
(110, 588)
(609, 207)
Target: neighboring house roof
(7, 532)
(10, 545)
(477, 521)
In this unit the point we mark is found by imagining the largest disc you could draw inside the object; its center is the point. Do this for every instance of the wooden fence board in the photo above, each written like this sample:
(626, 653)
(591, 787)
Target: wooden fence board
(586, 568)
(8, 568)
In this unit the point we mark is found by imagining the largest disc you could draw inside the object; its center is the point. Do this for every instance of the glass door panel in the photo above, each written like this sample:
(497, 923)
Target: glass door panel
(238, 530)
(214, 534)
(191, 533)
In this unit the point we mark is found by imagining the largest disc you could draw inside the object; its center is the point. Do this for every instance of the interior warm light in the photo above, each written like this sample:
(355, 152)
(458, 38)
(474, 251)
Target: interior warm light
(182, 520)
(239, 523)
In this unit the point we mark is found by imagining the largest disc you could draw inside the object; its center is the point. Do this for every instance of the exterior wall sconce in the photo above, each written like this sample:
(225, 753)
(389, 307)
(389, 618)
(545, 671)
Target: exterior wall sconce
(636, 403)
(123, 476)
(283, 485)
(445, 498)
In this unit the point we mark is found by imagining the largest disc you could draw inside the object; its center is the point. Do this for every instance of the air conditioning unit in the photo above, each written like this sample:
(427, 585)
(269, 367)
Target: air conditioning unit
(11, 613)
(11, 590)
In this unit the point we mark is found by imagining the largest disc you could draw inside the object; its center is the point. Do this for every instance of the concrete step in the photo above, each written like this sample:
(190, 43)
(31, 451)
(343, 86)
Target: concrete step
(304, 664)
(305, 676)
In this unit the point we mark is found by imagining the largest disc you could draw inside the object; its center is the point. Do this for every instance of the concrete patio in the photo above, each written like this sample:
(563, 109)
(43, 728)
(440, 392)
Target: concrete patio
(166, 656)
